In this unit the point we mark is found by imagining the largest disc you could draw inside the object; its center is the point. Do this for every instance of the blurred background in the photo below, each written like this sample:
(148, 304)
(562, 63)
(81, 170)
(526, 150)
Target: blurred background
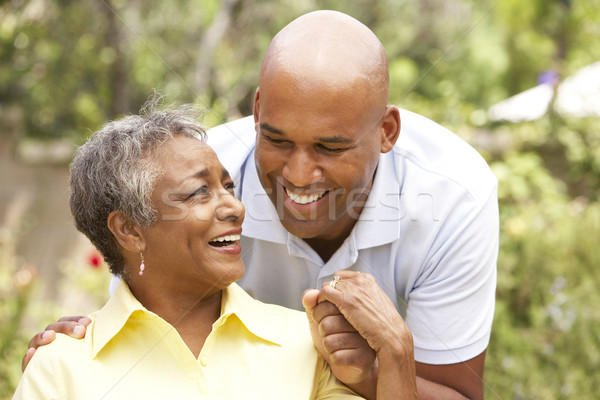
(519, 80)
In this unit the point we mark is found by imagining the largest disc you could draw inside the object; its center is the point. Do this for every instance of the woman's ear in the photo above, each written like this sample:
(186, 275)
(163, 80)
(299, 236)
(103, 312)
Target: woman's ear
(128, 235)
(390, 125)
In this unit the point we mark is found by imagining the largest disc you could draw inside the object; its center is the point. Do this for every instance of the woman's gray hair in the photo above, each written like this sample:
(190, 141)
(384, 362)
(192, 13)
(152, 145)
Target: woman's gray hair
(114, 171)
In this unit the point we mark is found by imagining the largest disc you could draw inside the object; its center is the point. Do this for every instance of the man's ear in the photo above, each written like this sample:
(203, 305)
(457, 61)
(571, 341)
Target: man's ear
(390, 126)
(256, 107)
(128, 235)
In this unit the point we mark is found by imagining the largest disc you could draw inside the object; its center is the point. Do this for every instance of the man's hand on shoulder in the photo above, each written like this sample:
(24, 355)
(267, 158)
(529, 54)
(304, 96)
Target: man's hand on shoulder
(73, 326)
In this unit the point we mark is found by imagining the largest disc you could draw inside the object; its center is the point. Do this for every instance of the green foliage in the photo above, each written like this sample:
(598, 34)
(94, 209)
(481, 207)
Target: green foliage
(15, 289)
(545, 340)
(21, 317)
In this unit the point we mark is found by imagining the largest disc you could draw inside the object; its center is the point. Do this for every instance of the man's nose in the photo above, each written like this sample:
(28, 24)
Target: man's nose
(302, 169)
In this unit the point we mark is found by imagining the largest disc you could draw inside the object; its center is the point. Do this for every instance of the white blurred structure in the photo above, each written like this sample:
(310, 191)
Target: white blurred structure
(577, 96)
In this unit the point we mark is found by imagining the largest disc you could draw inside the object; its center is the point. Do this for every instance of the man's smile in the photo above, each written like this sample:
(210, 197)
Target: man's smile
(304, 198)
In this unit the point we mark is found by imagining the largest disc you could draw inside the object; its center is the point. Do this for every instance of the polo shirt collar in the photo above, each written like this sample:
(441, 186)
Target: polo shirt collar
(263, 322)
(261, 220)
(122, 305)
(378, 224)
(111, 318)
(379, 221)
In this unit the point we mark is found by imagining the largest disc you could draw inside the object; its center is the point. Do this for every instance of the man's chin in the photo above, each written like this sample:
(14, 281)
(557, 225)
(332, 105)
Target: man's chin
(303, 229)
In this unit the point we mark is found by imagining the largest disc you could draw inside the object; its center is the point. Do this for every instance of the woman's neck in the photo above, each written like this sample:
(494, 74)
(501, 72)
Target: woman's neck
(191, 313)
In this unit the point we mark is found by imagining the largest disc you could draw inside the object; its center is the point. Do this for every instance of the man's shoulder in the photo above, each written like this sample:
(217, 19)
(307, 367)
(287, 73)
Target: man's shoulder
(233, 142)
(440, 154)
(238, 133)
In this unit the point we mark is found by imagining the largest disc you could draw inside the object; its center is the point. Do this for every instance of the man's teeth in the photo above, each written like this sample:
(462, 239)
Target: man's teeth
(226, 238)
(303, 199)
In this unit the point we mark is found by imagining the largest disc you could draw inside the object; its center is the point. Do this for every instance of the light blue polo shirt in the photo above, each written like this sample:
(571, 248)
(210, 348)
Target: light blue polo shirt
(428, 234)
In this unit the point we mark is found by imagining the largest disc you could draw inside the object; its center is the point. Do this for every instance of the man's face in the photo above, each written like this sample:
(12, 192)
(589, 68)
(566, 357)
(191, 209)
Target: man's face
(316, 155)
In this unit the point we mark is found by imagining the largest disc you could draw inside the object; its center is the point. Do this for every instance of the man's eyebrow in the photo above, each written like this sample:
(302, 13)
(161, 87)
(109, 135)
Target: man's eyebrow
(334, 139)
(337, 139)
(271, 129)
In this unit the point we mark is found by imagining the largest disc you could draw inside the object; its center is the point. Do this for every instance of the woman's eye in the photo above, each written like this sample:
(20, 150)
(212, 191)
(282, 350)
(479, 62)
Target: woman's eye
(229, 186)
(200, 192)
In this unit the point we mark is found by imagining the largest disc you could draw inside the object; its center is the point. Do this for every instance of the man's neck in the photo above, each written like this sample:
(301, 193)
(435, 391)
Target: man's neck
(327, 244)
(326, 247)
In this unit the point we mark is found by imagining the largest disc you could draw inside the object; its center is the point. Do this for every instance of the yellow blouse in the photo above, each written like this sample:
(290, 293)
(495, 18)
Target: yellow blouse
(254, 351)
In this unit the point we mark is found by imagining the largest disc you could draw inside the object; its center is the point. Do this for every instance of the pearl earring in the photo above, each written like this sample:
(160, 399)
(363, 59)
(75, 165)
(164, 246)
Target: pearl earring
(142, 266)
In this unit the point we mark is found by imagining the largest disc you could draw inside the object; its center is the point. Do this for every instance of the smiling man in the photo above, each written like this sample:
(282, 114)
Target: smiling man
(336, 181)
(320, 130)
(334, 178)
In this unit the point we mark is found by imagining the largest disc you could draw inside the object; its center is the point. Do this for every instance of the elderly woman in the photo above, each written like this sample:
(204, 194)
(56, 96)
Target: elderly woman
(158, 204)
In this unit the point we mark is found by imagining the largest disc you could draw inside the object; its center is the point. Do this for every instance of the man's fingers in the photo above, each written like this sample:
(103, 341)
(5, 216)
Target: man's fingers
(39, 339)
(74, 329)
(83, 320)
(74, 326)
(27, 358)
(42, 338)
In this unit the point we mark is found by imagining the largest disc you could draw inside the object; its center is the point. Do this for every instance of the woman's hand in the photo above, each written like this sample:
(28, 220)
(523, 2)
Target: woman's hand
(351, 359)
(367, 310)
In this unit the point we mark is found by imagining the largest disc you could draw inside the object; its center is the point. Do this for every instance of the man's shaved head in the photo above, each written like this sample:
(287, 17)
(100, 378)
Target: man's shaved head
(332, 50)
(322, 120)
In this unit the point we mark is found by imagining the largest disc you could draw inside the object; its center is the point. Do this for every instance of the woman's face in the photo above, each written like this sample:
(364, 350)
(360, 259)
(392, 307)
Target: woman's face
(196, 238)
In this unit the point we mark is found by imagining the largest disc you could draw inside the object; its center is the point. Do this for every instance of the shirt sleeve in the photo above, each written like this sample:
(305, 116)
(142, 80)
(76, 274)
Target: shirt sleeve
(451, 308)
(327, 386)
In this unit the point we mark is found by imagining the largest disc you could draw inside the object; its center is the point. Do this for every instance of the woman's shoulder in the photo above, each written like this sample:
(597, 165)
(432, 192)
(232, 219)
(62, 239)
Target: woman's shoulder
(281, 323)
(63, 347)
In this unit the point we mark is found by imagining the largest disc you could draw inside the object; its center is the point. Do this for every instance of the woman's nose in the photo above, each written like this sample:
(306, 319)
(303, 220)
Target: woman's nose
(228, 207)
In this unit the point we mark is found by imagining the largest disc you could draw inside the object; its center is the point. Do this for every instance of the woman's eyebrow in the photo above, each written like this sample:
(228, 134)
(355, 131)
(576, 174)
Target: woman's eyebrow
(225, 174)
(203, 173)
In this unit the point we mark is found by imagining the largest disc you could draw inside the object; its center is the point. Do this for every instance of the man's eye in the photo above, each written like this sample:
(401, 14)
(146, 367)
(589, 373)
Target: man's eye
(331, 149)
(274, 140)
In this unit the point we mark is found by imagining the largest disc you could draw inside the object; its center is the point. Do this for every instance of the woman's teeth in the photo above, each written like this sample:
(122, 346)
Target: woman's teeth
(303, 199)
(226, 238)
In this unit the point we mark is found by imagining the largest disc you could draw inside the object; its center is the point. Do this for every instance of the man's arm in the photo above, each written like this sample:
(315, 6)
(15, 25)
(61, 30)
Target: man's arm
(452, 381)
